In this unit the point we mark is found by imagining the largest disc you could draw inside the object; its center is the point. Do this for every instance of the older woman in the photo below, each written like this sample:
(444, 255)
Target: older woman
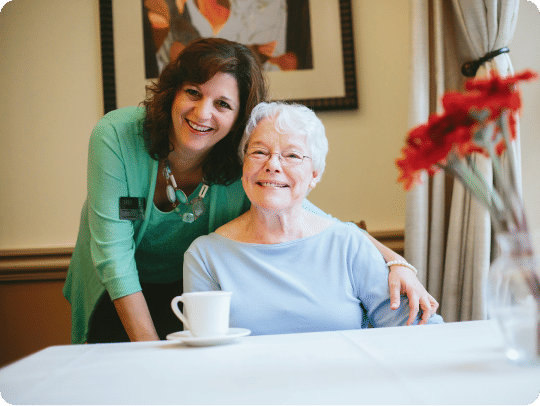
(290, 269)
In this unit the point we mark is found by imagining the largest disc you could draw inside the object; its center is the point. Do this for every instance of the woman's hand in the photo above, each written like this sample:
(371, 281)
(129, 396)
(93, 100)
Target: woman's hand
(402, 280)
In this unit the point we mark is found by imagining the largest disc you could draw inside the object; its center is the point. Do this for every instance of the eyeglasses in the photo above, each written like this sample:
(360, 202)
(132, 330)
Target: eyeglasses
(288, 158)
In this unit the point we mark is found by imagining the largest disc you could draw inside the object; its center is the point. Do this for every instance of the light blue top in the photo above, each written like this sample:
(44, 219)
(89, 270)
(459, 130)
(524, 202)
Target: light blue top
(335, 280)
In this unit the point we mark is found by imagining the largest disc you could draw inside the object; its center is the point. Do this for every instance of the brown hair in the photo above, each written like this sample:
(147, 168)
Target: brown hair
(198, 63)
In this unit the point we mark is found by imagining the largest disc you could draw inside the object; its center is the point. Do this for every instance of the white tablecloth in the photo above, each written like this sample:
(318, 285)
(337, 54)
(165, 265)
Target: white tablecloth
(454, 363)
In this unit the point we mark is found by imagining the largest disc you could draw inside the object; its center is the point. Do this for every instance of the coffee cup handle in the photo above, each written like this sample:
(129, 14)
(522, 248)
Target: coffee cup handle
(179, 314)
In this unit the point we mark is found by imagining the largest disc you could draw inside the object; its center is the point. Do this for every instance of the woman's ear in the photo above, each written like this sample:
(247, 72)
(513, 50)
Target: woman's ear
(315, 180)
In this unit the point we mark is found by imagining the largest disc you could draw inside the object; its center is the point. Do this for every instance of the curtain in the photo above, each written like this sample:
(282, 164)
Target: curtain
(447, 232)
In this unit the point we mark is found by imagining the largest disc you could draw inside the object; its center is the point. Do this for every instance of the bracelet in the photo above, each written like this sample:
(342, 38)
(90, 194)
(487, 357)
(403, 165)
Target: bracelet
(402, 263)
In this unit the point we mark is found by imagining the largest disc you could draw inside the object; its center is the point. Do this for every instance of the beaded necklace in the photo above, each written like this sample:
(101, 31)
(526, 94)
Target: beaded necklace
(176, 196)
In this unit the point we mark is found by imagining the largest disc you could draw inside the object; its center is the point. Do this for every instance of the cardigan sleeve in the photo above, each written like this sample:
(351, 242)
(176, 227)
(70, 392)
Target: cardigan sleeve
(112, 242)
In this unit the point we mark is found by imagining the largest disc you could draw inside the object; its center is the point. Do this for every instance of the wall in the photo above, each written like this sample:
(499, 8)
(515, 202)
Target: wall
(360, 179)
(51, 72)
(51, 99)
(33, 315)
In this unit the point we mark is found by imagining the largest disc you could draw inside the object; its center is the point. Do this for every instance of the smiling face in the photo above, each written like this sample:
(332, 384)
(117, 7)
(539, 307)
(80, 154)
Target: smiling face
(203, 114)
(269, 184)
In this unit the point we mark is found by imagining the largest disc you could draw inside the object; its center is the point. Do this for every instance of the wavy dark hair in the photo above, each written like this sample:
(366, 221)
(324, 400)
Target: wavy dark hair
(198, 63)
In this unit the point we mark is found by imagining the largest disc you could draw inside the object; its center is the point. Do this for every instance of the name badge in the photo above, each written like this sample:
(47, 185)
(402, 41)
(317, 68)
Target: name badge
(132, 208)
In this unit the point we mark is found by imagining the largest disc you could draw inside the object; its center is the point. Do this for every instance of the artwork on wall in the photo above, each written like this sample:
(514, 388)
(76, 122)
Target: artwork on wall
(306, 46)
(277, 31)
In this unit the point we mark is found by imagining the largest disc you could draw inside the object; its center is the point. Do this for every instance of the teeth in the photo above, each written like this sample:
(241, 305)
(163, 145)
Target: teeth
(198, 127)
(270, 184)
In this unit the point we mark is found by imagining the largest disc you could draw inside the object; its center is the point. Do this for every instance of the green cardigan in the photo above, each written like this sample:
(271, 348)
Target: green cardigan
(104, 255)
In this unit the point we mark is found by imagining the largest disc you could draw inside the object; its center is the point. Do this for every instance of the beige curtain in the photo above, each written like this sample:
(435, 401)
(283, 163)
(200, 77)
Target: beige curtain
(447, 233)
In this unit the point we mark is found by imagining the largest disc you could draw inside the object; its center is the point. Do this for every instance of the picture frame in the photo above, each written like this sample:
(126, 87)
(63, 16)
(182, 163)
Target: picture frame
(124, 81)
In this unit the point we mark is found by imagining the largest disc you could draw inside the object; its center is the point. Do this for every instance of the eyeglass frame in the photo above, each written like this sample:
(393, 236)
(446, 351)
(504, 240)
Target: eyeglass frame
(279, 154)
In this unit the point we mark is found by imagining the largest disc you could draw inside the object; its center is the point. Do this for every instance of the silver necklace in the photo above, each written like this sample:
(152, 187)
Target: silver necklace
(177, 197)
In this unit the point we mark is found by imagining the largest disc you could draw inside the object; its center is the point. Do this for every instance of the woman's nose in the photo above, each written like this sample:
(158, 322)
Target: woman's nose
(203, 110)
(273, 163)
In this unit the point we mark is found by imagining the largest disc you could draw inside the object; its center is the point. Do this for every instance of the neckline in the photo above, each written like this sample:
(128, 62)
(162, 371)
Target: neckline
(297, 240)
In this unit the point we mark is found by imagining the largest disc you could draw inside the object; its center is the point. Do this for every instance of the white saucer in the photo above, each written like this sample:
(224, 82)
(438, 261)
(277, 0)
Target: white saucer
(187, 338)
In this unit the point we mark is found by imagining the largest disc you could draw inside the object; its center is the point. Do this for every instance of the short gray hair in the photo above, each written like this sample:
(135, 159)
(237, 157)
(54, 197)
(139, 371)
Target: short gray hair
(291, 118)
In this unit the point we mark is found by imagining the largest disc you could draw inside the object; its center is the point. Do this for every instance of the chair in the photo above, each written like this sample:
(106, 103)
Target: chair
(362, 225)
(393, 239)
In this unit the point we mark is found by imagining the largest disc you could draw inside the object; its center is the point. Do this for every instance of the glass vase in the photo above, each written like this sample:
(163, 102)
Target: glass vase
(513, 297)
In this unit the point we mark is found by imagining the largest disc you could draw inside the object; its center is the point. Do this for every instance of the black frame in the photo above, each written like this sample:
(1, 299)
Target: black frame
(347, 102)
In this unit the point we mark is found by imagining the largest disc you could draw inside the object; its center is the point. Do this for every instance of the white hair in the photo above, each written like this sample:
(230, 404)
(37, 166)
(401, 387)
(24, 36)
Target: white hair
(291, 119)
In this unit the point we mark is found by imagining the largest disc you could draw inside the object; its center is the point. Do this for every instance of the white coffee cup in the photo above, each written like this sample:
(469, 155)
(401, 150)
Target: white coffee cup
(205, 314)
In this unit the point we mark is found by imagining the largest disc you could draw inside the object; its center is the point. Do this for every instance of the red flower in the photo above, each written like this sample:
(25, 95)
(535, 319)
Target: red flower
(464, 114)
(496, 85)
(428, 145)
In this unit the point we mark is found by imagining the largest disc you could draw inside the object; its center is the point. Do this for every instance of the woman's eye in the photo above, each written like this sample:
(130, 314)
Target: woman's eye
(224, 104)
(257, 153)
(292, 155)
(192, 92)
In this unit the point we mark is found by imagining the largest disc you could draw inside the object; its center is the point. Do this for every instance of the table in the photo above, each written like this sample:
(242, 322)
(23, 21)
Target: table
(453, 363)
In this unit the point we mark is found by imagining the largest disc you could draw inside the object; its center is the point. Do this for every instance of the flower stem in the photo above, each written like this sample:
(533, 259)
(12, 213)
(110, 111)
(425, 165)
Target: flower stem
(502, 197)
(479, 188)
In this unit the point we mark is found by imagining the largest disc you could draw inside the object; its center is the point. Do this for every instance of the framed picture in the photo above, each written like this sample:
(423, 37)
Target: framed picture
(327, 82)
